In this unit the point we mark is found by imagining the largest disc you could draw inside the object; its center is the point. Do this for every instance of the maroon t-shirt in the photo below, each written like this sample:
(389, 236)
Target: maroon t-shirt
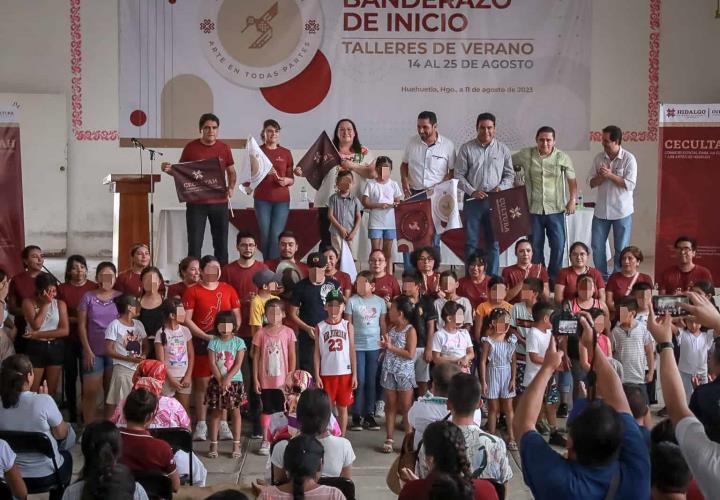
(176, 290)
(515, 274)
(618, 284)
(130, 283)
(241, 279)
(476, 293)
(269, 189)
(673, 280)
(22, 287)
(387, 287)
(71, 295)
(142, 453)
(196, 150)
(568, 277)
(420, 488)
(302, 267)
(344, 280)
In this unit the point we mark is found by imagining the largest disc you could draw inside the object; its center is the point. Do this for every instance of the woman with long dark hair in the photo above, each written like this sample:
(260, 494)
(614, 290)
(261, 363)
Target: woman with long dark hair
(151, 314)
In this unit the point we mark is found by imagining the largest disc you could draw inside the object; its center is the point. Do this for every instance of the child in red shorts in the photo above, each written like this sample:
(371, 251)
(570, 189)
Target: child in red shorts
(335, 368)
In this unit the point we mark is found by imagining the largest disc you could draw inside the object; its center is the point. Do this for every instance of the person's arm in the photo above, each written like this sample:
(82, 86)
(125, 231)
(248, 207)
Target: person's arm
(34, 316)
(703, 309)
(430, 332)
(194, 329)
(231, 181)
(508, 172)
(610, 301)
(572, 188)
(405, 178)
(484, 353)
(594, 178)
(461, 170)
(559, 290)
(410, 345)
(317, 365)
(145, 347)
(356, 225)
(513, 371)
(238, 318)
(334, 223)
(256, 353)
(62, 330)
(291, 356)
(175, 480)
(353, 357)
(530, 403)
(191, 364)
(14, 479)
(370, 205)
(346, 471)
(650, 355)
(239, 356)
(159, 348)
(293, 315)
(214, 370)
(383, 324)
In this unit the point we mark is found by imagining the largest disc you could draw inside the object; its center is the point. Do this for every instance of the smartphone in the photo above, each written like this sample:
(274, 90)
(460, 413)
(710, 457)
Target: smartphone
(669, 304)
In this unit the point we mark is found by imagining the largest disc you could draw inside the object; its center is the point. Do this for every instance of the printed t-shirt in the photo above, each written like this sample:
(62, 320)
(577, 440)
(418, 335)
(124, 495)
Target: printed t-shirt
(334, 343)
(205, 305)
(424, 312)
(224, 354)
(71, 295)
(275, 349)
(451, 345)
(176, 354)
(196, 150)
(345, 281)
(568, 277)
(241, 279)
(100, 313)
(269, 189)
(128, 340)
(365, 317)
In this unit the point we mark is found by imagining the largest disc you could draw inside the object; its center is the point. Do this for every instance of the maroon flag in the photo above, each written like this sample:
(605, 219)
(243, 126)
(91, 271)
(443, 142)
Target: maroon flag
(414, 225)
(320, 159)
(12, 227)
(196, 181)
(510, 215)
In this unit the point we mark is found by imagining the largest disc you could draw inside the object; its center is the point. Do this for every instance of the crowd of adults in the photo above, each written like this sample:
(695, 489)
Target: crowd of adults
(285, 341)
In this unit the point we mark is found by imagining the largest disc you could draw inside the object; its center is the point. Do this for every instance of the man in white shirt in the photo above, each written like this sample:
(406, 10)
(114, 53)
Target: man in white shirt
(428, 160)
(614, 174)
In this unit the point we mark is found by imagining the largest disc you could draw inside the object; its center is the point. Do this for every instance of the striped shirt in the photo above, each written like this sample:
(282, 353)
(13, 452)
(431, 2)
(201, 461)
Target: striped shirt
(629, 349)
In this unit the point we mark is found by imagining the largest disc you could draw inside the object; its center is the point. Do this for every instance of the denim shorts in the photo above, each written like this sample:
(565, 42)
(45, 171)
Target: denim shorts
(102, 363)
(382, 234)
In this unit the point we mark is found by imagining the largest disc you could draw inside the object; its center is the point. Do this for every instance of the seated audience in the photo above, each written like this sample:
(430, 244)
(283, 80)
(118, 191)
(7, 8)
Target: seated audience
(682, 276)
(313, 413)
(670, 474)
(606, 456)
(10, 472)
(101, 475)
(302, 460)
(475, 285)
(140, 451)
(449, 469)
(525, 268)
(426, 261)
(638, 401)
(497, 292)
(26, 411)
(567, 278)
(621, 283)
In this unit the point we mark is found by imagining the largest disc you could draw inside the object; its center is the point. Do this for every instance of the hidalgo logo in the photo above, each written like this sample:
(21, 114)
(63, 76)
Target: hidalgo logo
(670, 112)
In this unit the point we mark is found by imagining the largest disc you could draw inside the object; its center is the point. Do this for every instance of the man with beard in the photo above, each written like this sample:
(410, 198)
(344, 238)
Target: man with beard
(288, 248)
(239, 274)
(428, 160)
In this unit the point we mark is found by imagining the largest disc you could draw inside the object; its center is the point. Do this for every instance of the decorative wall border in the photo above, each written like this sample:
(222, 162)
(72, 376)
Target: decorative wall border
(649, 135)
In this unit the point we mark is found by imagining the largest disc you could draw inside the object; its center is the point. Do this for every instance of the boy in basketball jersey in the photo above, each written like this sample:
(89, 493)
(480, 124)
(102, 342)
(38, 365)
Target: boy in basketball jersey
(335, 369)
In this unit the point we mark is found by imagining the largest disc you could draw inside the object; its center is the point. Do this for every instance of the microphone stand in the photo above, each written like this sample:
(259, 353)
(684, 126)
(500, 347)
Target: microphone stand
(152, 153)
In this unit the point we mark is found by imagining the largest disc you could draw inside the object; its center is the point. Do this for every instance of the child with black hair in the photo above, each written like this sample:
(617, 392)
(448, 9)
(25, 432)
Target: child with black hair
(521, 320)
(452, 343)
(344, 211)
(140, 451)
(637, 399)
(498, 291)
(225, 390)
(398, 370)
(423, 320)
(303, 461)
(102, 476)
(267, 283)
(497, 371)
(273, 349)
(174, 348)
(450, 474)
(669, 473)
(632, 344)
(448, 291)
(126, 343)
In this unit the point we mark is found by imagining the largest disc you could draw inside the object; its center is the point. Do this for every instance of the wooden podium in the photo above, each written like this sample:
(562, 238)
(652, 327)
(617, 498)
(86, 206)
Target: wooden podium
(131, 213)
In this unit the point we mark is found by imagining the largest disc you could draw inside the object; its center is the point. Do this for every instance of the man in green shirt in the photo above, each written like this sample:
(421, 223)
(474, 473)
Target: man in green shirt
(546, 168)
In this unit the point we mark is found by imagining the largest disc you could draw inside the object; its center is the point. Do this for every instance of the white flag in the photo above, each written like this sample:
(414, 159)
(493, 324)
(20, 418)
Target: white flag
(347, 263)
(255, 165)
(445, 210)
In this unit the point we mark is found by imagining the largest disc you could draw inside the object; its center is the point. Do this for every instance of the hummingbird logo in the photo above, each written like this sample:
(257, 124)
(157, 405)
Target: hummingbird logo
(262, 25)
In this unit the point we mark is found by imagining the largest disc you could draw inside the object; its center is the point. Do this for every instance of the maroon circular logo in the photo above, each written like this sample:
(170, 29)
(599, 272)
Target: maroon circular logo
(414, 225)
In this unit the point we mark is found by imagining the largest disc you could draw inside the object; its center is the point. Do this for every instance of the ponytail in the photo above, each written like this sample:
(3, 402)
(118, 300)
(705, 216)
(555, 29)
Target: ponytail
(446, 486)
(302, 459)
(298, 492)
(104, 477)
(451, 475)
(13, 375)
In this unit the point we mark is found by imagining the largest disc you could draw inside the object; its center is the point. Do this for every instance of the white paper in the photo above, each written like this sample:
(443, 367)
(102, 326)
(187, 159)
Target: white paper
(254, 159)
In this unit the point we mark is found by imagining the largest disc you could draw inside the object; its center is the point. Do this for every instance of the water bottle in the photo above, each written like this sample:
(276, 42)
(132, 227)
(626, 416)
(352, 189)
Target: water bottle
(304, 195)
(579, 200)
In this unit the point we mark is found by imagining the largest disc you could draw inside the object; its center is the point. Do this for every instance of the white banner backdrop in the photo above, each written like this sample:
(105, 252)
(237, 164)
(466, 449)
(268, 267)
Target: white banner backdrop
(308, 63)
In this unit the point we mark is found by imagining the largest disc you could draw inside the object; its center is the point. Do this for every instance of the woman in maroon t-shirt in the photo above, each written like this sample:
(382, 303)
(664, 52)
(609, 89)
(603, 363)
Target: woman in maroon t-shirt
(566, 281)
(475, 285)
(22, 287)
(128, 281)
(75, 286)
(332, 271)
(426, 261)
(272, 196)
(189, 272)
(620, 283)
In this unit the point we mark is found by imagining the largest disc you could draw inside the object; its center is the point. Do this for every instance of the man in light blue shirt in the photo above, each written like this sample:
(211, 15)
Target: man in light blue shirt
(483, 165)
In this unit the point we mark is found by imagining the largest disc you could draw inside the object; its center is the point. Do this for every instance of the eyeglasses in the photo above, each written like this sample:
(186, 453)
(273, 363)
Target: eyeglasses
(684, 249)
(426, 259)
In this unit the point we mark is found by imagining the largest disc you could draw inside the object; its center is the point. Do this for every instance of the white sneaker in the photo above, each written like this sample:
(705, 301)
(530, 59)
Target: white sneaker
(225, 434)
(380, 409)
(200, 433)
(264, 448)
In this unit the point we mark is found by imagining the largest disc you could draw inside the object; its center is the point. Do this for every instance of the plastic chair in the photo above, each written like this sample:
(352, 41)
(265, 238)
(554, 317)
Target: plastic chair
(36, 442)
(179, 438)
(342, 483)
(156, 484)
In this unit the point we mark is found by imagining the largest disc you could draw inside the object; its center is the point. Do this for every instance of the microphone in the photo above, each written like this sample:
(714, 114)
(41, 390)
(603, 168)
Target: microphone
(136, 143)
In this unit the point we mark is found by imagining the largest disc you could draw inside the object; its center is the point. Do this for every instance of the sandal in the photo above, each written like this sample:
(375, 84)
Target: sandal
(237, 450)
(388, 446)
(512, 446)
(213, 453)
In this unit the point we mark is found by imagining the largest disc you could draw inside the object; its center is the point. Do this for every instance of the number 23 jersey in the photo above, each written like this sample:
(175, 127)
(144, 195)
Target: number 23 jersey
(334, 344)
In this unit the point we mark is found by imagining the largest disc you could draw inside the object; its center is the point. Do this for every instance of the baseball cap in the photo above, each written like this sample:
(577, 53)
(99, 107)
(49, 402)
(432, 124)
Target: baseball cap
(335, 295)
(265, 276)
(316, 259)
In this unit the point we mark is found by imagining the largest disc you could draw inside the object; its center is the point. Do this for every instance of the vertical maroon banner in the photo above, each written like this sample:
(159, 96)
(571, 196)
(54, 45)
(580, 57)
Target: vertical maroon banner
(688, 176)
(12, 227)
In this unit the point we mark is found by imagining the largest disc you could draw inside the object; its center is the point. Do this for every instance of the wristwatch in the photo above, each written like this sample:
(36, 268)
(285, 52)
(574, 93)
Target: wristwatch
(664, 345)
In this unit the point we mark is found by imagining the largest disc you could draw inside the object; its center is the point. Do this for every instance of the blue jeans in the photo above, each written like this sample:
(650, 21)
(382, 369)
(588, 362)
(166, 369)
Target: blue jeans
(271, 217)
(622, 229)
(554, 225)
(477, 218)
(367, 369)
